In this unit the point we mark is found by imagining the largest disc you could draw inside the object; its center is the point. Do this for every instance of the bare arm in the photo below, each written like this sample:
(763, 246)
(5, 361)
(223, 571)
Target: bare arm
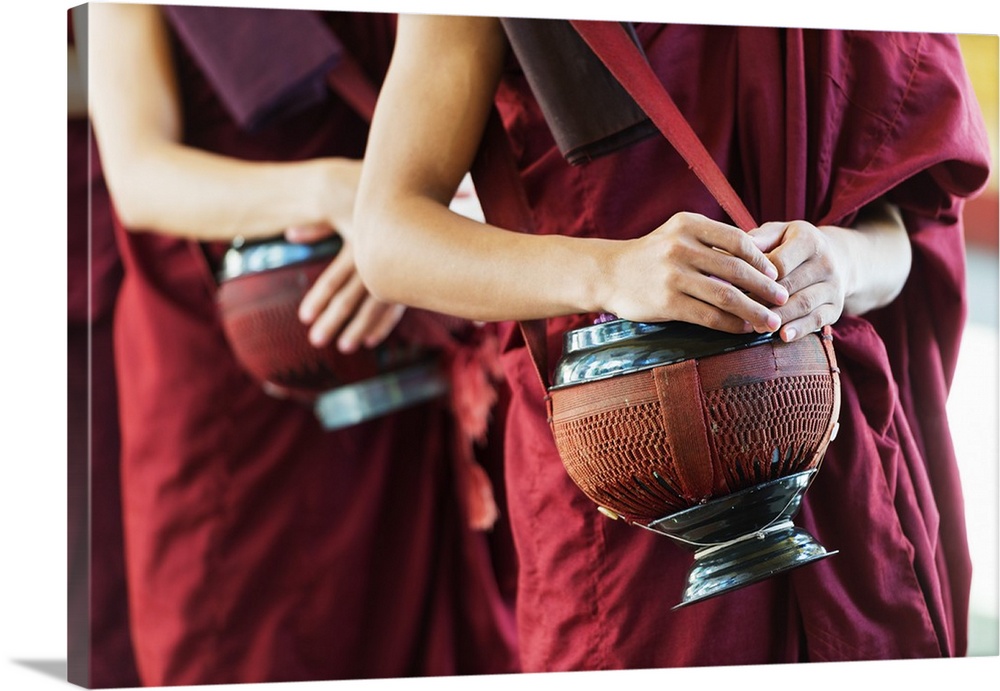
(159, 184)
(162, 185)
(412, 249)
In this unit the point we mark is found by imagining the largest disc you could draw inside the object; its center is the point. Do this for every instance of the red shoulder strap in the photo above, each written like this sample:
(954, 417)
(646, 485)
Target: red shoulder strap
(612, 44)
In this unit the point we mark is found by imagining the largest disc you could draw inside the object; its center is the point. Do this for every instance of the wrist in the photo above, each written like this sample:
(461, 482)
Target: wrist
(873, 262)
(335, 191)
(844, 250)
(597, 274)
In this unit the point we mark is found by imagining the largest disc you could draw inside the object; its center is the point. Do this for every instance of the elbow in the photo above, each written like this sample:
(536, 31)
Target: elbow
(395, 242)
(127, 204)
(134, 174)
(372, 262)
(129, 187)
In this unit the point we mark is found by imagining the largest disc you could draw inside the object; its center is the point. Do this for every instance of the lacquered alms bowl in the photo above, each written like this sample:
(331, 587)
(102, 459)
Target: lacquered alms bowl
(261, 285)
(706, 437)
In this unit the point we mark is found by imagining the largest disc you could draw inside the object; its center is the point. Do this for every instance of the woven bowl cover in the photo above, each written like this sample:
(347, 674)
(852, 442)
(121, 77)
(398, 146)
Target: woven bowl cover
(650, 443)
(259, 313)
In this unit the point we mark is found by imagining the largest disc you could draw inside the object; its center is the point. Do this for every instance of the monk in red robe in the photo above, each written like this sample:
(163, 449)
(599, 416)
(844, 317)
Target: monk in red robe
(99, 643)
(855, 150)
(260, 547)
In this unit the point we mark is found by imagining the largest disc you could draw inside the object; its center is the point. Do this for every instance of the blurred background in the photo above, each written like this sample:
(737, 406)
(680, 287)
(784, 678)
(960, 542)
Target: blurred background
(973, 405)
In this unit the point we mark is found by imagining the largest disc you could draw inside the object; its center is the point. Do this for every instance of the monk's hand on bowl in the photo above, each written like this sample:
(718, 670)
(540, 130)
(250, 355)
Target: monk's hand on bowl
(338, 306)
(700, 271)
(812, 266)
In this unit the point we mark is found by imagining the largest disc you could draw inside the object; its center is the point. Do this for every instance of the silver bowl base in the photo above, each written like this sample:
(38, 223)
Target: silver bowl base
(749, 561)
(743, 537)
(355, 403)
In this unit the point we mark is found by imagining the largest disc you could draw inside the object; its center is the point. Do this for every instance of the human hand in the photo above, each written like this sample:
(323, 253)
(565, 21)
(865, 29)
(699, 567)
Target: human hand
(338, 304)
(697, 270)
(813, 266)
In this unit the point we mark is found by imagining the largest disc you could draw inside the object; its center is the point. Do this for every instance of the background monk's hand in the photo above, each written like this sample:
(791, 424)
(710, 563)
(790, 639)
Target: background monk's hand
(697, 270)
(338, 304)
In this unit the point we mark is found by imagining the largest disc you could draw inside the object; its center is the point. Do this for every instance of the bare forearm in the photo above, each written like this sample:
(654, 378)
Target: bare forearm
(417, 252)
(411, 249)
(445, 262)
(183, 191)
(878, 257)
(160, 184)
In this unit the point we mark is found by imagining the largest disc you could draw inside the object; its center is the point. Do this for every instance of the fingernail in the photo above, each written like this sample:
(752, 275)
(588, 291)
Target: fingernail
(773, 321)
(770, 271)
(346, 345)
(780, 294)
(790, 334)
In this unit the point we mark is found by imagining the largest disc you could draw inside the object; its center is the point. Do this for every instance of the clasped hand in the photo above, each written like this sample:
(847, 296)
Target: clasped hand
(783, 277)
(812, 265)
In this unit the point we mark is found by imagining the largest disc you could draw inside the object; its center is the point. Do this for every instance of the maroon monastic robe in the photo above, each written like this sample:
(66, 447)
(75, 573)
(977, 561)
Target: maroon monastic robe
(806, 125)
(260, 547)
(99, 651)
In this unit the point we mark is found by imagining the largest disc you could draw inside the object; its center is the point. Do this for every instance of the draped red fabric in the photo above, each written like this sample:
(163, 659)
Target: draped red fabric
(261, 547)
(812, 125)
